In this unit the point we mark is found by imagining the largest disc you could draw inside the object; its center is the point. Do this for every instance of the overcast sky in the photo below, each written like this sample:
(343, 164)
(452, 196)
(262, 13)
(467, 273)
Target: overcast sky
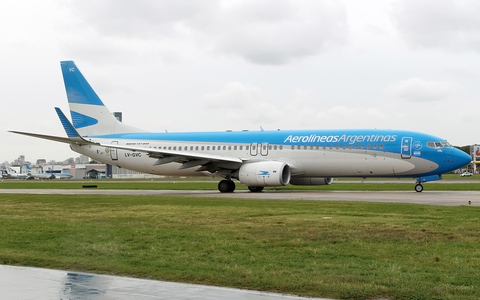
(216, 65)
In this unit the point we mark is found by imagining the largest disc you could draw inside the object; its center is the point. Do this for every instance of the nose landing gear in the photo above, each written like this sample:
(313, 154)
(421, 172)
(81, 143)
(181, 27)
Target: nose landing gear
(418, 187)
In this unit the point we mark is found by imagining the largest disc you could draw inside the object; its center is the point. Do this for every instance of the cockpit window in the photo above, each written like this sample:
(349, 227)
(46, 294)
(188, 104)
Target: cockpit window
(437, 145)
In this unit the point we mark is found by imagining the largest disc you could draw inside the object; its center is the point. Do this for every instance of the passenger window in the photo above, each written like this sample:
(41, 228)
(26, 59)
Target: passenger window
(247, 147)
(381, 146)
(196, 148)
(375, 146)
(208, 147)
(241, 147)
(234, 147)
(363, 146)
(213, 147)
(356, 146)
(368, 146)
(281, 147)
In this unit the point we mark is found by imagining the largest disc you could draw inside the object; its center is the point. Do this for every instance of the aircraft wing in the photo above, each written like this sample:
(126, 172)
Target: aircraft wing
(187, 158)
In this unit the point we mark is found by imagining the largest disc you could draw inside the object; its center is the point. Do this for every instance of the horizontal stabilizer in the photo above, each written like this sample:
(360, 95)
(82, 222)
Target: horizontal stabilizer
(45, 137)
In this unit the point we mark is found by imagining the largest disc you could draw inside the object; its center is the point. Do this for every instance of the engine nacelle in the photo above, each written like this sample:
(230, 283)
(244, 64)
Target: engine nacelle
(264, 173)
(312, 181)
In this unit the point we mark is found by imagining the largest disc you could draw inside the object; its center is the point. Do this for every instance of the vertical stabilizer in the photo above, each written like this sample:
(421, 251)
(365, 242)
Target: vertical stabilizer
(90, 116)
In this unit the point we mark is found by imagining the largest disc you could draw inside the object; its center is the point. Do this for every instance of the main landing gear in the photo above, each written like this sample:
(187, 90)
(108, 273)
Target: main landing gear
(228, 186)
(255, 189)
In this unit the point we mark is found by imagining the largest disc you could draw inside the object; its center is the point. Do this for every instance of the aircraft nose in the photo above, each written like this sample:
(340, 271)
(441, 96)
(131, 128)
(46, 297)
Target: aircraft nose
(462, 158)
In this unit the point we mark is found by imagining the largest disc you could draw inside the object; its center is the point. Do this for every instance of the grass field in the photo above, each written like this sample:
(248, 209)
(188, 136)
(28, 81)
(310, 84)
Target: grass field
(454, 183)
(340, 250)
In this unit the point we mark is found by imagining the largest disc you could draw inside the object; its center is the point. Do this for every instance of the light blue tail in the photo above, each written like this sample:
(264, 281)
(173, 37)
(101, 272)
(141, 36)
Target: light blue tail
(90, 116)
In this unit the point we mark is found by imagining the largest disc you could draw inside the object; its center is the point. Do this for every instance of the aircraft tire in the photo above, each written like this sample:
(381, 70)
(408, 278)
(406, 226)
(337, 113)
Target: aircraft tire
(232, 185)
(418, 187)
(226, 186)
(255, 189)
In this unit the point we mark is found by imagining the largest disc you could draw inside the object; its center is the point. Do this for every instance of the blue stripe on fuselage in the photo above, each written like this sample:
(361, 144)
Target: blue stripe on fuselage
(389, 138)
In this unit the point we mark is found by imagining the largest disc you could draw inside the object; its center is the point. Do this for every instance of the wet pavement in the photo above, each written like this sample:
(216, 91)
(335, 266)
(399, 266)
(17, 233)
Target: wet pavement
(24, 283)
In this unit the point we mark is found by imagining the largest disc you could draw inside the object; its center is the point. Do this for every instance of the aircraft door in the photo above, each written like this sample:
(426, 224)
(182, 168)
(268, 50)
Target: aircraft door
(113, 151)
(253, 149)
(264, 149)
(406, 150)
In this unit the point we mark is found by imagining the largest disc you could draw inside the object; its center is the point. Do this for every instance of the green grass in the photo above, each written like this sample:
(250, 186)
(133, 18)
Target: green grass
(464, 184)
(340, 250)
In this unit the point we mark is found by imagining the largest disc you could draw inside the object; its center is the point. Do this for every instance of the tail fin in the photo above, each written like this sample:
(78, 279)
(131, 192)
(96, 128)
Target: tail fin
(29, 170)
(90, 116)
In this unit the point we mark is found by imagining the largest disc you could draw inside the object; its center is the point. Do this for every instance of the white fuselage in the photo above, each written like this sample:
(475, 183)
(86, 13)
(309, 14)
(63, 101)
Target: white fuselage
(304, 161)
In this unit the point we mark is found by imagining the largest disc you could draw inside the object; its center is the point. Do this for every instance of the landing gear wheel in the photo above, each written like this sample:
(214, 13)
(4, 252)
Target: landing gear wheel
(418, 187)
(226, 186)
(232, 185)
(255, 189)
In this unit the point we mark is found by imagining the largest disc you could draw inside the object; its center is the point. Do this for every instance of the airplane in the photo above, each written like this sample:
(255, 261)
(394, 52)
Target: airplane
(256, 159)
(39, 175)
(12, 174)
(48, 175)
(59, 175)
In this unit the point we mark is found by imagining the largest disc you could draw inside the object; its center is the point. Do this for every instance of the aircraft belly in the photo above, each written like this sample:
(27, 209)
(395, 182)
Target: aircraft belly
(335, 164)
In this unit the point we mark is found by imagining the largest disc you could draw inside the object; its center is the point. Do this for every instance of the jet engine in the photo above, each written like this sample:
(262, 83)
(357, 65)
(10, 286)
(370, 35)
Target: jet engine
(264, 173)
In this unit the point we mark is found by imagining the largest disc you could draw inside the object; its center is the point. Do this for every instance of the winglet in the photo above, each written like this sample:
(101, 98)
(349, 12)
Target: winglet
(69, 129)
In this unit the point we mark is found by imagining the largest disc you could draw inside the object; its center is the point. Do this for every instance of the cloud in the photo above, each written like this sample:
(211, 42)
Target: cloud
(420, 90)
(274, 32)
(242, 104)
(449, 25)
(265, 32)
